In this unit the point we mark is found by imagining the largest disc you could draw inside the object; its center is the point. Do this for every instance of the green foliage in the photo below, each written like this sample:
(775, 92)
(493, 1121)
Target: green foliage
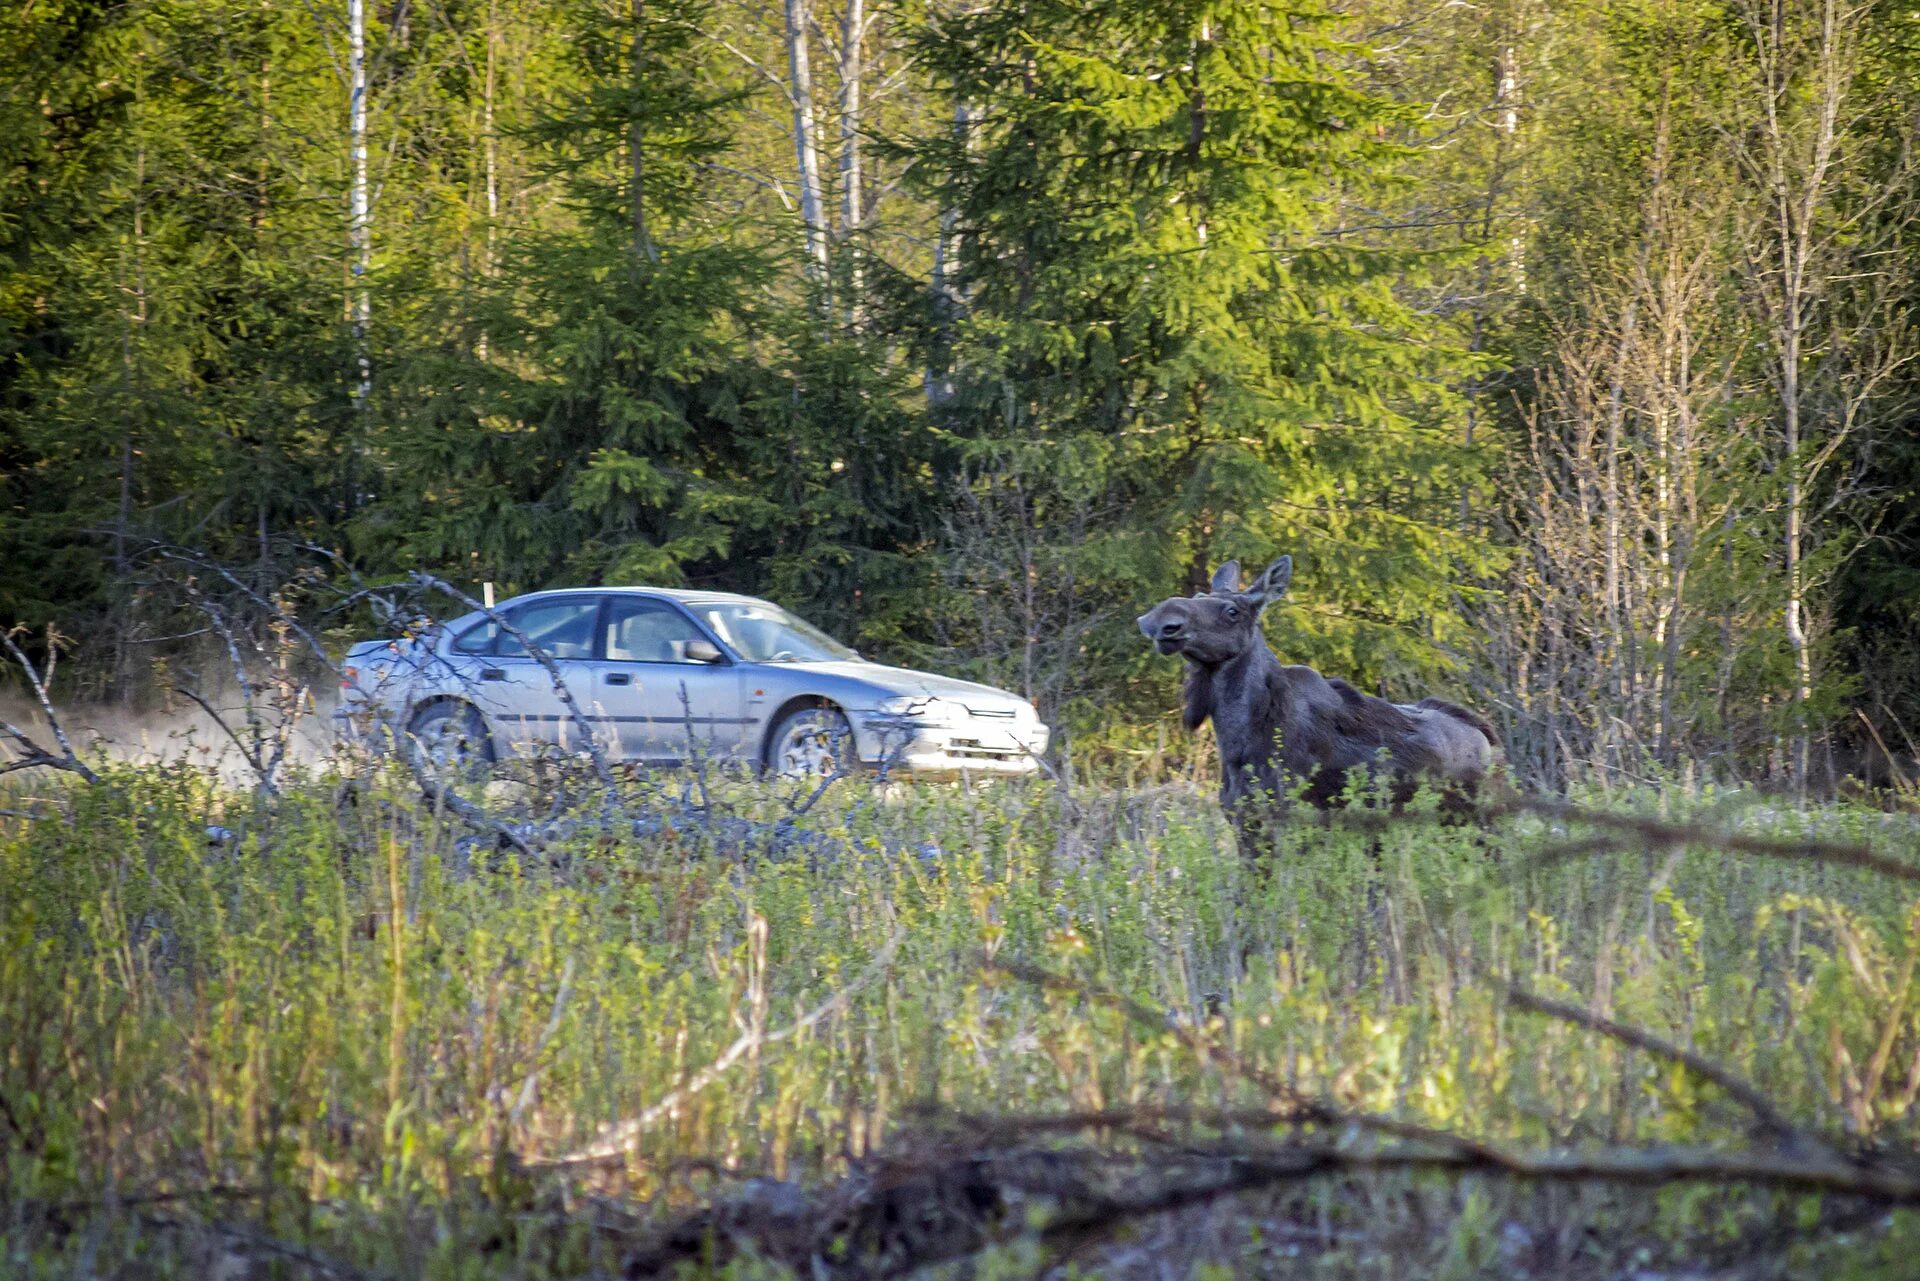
(1161, 322)
(344, 1009)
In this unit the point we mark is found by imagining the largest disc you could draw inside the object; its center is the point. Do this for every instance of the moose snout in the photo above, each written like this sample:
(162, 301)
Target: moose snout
(1161, 630)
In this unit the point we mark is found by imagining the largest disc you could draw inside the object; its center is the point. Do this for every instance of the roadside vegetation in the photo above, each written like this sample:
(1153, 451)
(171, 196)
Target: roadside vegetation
(336, 1034)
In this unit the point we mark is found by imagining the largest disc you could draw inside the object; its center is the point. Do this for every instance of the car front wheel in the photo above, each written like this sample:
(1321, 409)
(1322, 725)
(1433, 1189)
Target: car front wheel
(812, 742)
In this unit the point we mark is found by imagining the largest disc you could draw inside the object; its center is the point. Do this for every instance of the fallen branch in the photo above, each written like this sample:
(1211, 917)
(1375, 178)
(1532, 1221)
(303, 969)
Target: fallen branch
(934, 1200)
(272, 1245)
(439, 794)
(1292, 1104)
(617, 1140)
(254, 749)
(436, 792)
(1729, 1082)
(213, 714)
(1646, 833)
(1246, 1170)
(1651, 833)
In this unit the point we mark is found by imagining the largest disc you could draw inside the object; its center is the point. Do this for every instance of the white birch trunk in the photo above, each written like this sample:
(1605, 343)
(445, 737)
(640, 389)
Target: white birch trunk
(360, 218)
(490, 155)
(853, 34)
(806, 150)
(1507, 94)
(1794, 160)
(942, 295)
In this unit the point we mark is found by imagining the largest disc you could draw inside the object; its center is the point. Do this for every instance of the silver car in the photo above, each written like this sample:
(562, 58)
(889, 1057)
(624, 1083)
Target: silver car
(663, 677)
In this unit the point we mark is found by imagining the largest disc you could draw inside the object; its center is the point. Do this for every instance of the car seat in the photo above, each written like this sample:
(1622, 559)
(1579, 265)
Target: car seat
(652, 636)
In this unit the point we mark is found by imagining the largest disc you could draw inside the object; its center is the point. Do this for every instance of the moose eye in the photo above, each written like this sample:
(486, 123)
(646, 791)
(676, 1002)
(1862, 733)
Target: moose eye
(1233, 611)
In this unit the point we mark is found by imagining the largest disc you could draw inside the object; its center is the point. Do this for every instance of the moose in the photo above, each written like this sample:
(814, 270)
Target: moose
(1279, 725)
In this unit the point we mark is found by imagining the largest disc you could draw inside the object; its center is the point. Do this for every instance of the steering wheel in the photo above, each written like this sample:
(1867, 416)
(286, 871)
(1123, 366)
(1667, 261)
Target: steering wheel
(785, 655)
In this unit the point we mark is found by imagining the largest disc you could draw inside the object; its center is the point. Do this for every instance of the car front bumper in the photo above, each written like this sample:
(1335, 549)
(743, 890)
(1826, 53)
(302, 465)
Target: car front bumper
(901, 743)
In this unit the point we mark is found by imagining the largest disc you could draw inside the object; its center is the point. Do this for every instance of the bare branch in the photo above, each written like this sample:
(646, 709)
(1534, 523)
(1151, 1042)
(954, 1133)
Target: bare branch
(525, 1097)
(617, 1140)
(33, 754)
(1740, 1089)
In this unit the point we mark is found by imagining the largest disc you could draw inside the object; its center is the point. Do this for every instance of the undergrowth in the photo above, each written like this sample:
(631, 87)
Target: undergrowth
(346, 1029)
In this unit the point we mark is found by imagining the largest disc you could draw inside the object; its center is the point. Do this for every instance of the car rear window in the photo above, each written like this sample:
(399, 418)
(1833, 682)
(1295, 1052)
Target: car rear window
(563, 628)
(477, 639)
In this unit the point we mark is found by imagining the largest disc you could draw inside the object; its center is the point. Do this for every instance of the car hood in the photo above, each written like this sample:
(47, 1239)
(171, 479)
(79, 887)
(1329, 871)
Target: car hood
(891, 682)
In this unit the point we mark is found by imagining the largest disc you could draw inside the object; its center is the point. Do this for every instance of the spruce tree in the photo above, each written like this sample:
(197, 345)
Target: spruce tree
(599, 439)
(1159, 317)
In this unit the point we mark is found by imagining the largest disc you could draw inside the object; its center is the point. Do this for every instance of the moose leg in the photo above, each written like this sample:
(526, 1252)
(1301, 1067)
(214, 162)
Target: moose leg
(1460, 807)
(1460, 803)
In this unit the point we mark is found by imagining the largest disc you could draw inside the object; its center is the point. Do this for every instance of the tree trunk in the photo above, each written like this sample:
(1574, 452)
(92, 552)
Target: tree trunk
(136, 322)
(360, 252)
(643, 246)
(1507, 94)
(490, 158)
(943, 297)
(1792, 158)
(806, 152)
(853, 34)
(1614, 589)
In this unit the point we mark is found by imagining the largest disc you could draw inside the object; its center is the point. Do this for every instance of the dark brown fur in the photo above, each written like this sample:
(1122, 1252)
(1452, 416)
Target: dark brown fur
(1279, 726)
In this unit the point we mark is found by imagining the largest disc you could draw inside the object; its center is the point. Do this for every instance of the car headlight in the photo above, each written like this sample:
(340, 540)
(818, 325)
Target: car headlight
(910, 705)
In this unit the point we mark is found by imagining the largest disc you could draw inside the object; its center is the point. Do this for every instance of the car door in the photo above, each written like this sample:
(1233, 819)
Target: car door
(665, 703)
(516, 690)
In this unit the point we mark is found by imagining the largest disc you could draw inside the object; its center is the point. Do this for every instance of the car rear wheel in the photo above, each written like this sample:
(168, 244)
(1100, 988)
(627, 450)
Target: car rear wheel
(811, 742)
(453, 737)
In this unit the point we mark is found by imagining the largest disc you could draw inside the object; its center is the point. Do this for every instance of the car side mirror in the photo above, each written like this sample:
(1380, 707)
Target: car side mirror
(702, 651)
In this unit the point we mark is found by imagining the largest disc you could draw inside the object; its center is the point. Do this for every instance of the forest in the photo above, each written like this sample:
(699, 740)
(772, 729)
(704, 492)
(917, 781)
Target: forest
(1566, 347)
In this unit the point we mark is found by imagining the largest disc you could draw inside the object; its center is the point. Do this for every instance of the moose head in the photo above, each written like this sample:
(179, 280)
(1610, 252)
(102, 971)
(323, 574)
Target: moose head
(1220, 624)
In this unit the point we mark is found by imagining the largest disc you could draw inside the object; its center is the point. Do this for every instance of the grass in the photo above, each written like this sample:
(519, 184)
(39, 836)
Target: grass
(347, 1041)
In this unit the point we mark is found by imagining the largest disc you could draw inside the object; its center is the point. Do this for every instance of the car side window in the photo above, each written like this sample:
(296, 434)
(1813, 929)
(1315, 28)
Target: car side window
(477, 639)
(648, 631)
(563, 628)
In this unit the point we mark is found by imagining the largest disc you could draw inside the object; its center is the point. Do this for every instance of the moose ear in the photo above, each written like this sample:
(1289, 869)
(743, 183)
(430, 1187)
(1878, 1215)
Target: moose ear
(1227, 577)
(1272, 585)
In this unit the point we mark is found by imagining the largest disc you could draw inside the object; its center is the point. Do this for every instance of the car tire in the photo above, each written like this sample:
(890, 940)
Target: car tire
(811, 742)
(453, 739)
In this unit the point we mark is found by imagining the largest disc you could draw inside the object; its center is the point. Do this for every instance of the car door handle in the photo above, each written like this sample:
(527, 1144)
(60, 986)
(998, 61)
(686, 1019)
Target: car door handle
(492, 674)
(619, 678)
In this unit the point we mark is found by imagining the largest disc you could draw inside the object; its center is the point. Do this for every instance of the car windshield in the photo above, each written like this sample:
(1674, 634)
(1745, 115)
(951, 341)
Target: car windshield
(763, 633)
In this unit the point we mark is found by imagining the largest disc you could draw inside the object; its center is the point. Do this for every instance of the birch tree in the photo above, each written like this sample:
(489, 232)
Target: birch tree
(1830, 321)
(806, 145)
(360, 210)
(853, 40)
(1635, 472)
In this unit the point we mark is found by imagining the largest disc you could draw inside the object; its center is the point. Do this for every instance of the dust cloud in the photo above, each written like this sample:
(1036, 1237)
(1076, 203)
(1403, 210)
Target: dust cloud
(184, 733)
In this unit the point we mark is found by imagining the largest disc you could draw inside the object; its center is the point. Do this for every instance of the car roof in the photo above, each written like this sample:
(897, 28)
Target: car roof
(684, 595)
